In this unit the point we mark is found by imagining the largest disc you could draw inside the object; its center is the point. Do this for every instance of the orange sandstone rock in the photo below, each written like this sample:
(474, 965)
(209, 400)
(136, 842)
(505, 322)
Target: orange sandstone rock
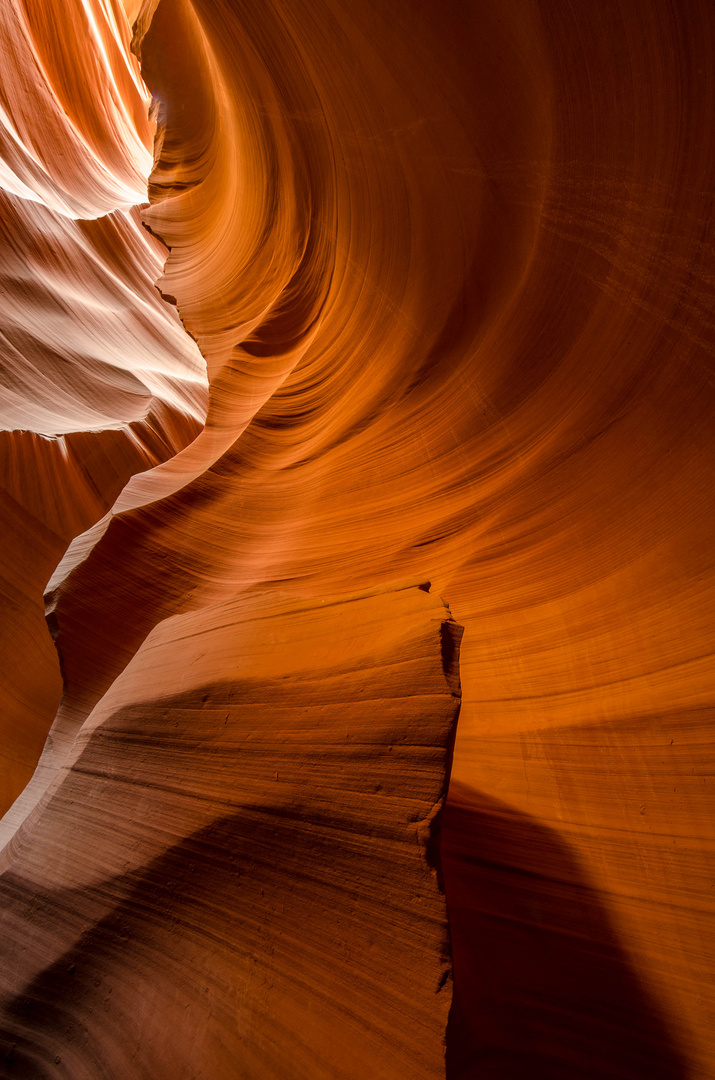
(248, 882)
(451, 270)
(98, 379)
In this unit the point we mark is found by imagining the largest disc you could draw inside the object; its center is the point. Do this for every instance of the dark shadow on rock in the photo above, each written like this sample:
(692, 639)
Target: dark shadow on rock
(543, 990)
(226, 954)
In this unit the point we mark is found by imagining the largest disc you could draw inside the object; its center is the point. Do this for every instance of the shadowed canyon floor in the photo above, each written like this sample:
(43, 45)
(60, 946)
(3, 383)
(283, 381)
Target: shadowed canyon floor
(435, 296)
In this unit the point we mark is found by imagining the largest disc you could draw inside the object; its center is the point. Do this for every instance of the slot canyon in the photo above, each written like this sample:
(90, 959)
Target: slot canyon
(357, 473)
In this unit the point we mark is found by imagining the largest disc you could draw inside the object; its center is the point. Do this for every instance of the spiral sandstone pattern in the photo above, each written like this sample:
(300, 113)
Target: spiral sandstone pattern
(331, 328)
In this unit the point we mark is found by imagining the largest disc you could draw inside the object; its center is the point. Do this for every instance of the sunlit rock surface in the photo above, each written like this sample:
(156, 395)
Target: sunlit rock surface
(98, 379)
(450, 269)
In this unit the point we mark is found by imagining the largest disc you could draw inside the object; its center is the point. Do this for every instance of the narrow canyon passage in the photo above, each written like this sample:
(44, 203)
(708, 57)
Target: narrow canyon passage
(433, 303)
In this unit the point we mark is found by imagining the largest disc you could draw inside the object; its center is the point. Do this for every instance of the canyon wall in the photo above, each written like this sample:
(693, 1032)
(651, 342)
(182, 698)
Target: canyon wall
(430, 348)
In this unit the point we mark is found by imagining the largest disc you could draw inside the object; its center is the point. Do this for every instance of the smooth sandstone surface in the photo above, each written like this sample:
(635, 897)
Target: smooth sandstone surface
(248, 882)
(98, 379)
(450, 268)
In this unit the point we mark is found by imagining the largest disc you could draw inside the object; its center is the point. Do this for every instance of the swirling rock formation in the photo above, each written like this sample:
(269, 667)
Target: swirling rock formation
(450, 268)
(98, 378)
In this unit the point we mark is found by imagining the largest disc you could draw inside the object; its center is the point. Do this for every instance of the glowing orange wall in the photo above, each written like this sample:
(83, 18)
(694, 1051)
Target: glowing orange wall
(450, 267)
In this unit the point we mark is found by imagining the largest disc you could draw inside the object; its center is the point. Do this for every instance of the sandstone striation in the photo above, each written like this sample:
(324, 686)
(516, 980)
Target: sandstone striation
(248, 882)
(450, 270)
(98, 378)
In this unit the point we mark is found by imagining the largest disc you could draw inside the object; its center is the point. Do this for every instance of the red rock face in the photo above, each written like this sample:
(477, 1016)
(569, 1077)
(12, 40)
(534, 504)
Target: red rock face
(98, 378)
(450, 270)
(247, 885)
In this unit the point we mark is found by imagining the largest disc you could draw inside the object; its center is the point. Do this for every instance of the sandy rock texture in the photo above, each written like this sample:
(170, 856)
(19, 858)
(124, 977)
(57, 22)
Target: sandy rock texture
(98, 379)
(248, 880)
(450, 270)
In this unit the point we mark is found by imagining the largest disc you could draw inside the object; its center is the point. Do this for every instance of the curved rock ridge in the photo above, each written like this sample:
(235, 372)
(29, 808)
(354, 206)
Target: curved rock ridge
(79, 146)
(98, 379)
(86, 342)
(50, 491)
(248, 883)
(451, 270)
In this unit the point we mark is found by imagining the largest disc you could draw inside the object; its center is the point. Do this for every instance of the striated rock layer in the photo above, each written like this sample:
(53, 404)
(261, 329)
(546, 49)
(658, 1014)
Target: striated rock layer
(98, 379)
(450, 267)
(247, 885)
